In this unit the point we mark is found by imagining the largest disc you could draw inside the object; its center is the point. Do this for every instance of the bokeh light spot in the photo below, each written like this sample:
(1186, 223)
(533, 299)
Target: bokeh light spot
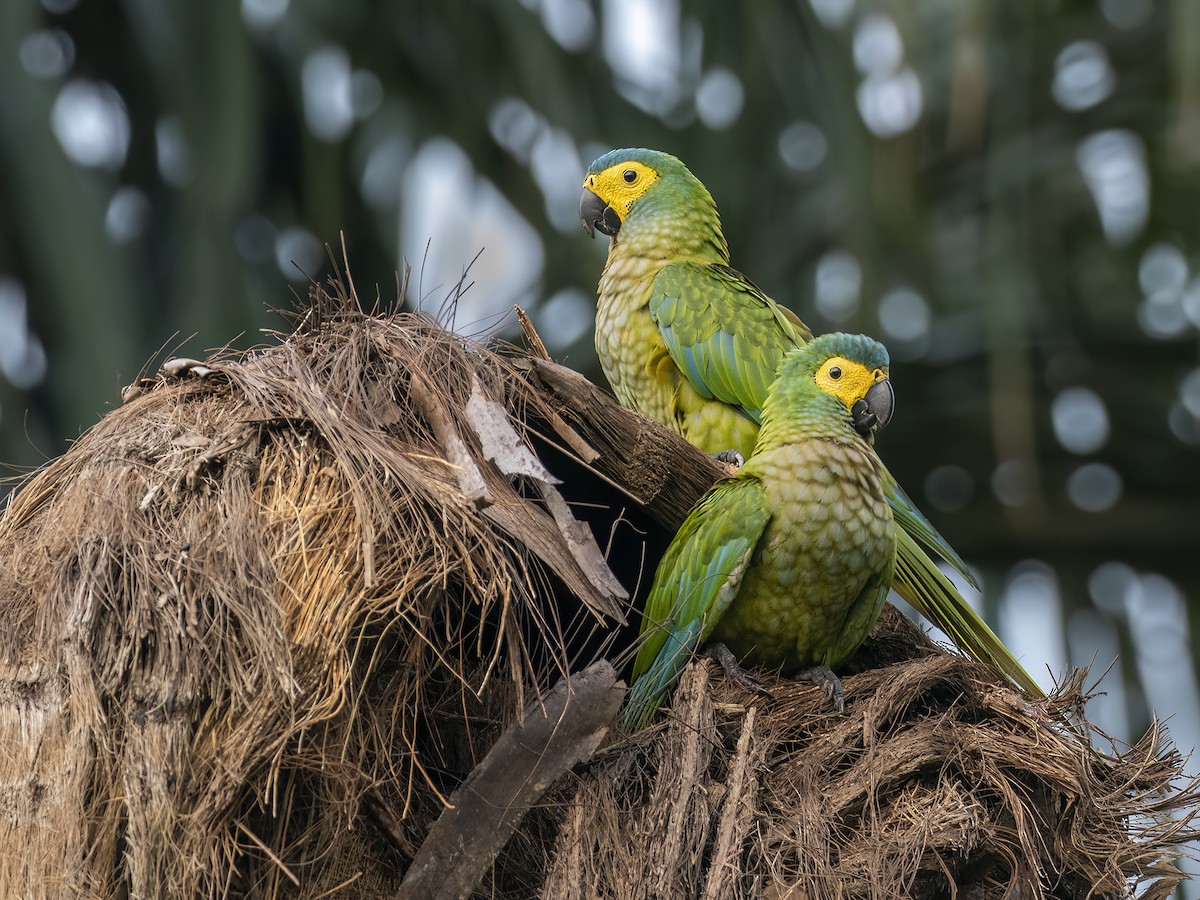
(1162, 268)
(832, 13)
(890, 105)
(298, 254)
(1031, 620)
(514, 126)
(558, 171)
(366, 93)
(719, 98)
(1080, 420)
(1189, 392)
(643, 44)
(1126, 14)
(570, 23)
(47, 54)
(839, 282)
(904, 315)
(255, 237)
(802, 146)
(174, 158)
(383, 170)
(949, 488)
(878, 48)
(91, 124)
(263, 14)
(327, 82)
(1013, 482)
(1108, 584)
(127, 214)
(1094, 487)
(1161, 315)
(565, 318)
(1113, 164)
(1083, 76)
(1184, 425)
(22, 357)
(1190, 302)
(448, 214)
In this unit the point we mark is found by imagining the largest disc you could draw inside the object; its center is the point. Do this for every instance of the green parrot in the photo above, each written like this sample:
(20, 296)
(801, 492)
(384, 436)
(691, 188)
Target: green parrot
(686, 339)
(788, 562)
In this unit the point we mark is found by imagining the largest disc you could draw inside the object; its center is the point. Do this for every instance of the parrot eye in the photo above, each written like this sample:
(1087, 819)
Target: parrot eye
(629, 175)
(835, 373)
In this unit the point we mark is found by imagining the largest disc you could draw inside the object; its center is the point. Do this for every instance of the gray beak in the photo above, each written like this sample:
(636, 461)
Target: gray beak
(874, 410)
(595, 215)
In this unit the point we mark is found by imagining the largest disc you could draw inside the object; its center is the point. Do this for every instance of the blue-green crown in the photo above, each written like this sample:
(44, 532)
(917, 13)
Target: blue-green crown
(662, 163)
(856, 347)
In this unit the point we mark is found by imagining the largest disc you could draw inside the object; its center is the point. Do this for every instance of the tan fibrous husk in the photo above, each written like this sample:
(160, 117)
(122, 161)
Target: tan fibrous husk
(258, 628)
(242, 600)
(938, 775)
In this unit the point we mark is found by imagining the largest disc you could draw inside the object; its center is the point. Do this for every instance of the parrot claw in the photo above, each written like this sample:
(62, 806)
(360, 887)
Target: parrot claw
(730, 458)
(823, 677)
(729, 663)
(183, 367)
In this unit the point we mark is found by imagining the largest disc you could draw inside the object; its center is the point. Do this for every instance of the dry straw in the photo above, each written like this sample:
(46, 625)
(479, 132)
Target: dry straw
(264, 618)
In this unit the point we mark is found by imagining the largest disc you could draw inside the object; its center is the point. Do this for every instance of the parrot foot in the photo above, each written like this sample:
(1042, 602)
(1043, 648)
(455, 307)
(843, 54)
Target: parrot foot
(183, 367)
(730, 458)
(823, 677)
(729, 663)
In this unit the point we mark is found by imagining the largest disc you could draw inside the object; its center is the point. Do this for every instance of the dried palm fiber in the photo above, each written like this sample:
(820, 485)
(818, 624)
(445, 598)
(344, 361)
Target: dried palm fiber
(259, 628)
(938, 782)
(243, 599)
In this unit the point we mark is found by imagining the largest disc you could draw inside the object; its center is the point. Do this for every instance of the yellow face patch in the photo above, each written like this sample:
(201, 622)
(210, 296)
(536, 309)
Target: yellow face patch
(620, 185)
(847, 380)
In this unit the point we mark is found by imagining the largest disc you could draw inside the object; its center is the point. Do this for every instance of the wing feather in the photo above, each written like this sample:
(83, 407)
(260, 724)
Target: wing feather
(696, 581)
(726, 336)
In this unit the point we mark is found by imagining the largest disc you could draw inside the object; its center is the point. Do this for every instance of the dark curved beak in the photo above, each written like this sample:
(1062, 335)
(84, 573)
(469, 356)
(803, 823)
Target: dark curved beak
(875, 409)
(595, 215)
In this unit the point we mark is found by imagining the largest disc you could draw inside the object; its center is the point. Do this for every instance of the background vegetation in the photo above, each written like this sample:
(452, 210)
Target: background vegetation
(1005, 193)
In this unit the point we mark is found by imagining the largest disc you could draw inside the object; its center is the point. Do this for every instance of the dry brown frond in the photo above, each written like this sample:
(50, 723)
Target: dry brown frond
(937, 779)
(244, 600)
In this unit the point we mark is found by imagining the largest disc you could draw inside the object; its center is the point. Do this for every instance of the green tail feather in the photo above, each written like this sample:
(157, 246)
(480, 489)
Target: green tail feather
(650, 688)
(931, 593)
(913, 523)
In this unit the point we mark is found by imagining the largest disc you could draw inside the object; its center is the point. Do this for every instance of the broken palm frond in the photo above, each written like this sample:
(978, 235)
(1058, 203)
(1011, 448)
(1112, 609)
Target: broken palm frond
(562, 729)
(285, 610)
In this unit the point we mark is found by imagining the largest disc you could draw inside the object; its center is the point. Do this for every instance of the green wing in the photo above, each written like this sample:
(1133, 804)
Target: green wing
(724, 334)
(697, 579)
(862, 615)
(930, 592)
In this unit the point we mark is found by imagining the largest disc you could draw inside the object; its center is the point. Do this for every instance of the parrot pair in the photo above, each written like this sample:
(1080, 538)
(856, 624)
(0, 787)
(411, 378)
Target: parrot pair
(691, 342)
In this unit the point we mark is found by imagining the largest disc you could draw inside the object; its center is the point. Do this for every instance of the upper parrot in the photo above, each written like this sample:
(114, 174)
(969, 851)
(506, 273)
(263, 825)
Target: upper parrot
(787, 562)
(693, 343)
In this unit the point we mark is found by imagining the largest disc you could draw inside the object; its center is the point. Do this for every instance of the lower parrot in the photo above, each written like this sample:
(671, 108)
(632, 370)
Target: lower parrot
(686, 339)
(787, 562)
